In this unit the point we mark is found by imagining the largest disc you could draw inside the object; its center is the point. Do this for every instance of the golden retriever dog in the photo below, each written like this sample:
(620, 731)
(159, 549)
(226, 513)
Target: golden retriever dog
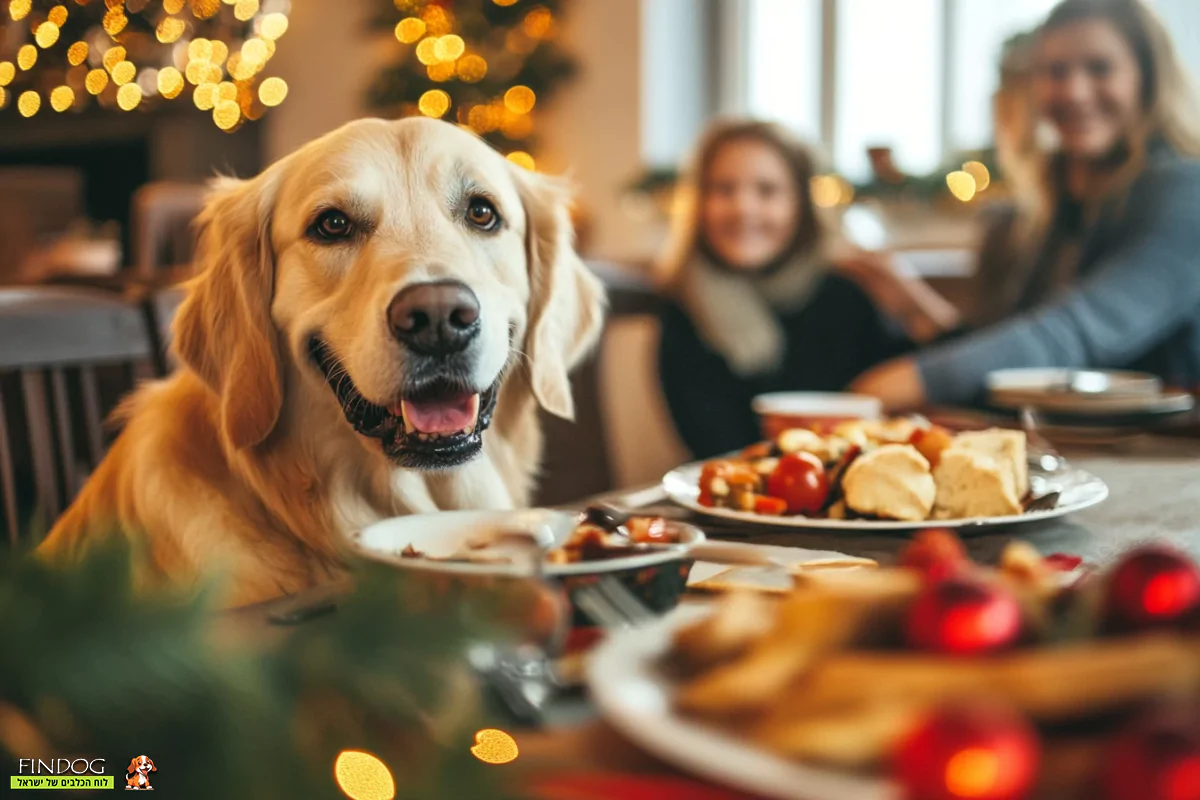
(373, 323)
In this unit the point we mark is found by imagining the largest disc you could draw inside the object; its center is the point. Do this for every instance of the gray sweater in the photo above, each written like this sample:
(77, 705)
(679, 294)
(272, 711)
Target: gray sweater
(1135, 302)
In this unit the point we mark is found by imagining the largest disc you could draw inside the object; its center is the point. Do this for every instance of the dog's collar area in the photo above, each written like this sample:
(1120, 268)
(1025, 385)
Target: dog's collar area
(408, 448)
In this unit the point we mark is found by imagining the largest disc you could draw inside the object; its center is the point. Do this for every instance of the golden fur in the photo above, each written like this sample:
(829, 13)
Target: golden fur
(242, 460)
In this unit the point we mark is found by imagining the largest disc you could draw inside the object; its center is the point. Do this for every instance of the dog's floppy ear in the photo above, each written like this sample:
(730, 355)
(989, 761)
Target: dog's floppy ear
(132, 766)
(566, 301)
(223, 330)
(150, 761)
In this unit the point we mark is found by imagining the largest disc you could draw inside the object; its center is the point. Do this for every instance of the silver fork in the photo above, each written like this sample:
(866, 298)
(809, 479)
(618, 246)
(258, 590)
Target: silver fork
(611, 605)
(1041, 453)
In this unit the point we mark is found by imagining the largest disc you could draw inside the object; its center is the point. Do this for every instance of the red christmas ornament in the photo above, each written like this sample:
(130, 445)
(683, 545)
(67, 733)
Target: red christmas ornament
(963, 616)
(1152, 587)
(936, 553)
(1157, 757)
(977, 752)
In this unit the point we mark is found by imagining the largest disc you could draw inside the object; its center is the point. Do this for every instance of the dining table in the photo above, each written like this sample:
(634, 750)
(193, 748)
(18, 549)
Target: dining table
(1154, 495)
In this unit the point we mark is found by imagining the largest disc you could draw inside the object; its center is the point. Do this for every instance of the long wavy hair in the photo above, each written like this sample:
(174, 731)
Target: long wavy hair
(686, 224)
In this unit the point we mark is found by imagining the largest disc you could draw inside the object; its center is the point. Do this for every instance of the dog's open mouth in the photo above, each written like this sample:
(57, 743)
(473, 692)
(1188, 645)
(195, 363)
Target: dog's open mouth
(436, 425)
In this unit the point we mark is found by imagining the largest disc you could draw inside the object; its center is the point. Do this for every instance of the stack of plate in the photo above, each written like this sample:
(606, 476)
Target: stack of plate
(1086, 396)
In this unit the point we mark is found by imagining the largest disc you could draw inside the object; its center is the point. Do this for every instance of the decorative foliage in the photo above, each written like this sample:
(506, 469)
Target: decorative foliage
(137, 54)
(490, 65)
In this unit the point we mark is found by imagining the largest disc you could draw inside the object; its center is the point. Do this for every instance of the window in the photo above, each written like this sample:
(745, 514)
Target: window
(783, 69)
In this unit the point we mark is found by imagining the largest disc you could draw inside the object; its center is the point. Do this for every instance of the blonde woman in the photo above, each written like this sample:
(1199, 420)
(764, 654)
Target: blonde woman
(1112, 279)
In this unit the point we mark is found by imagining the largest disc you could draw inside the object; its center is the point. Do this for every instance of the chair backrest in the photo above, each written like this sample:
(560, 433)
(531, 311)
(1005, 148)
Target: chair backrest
(162, 234)
(66, 355)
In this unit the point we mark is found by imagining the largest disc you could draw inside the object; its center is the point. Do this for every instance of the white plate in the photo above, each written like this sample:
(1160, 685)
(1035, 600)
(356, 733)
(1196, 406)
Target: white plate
(1079, 490)
(635, 698)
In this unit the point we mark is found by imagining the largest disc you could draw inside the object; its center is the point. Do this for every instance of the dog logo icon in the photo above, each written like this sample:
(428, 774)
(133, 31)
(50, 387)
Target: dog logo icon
(137, 776)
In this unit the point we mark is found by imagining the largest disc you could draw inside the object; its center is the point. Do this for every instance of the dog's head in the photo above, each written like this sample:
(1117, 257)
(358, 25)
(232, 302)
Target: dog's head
(402, 266)
(141, 765)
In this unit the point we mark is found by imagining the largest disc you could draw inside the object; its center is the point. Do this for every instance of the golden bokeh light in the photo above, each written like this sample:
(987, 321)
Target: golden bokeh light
(46, 35)
(829, 191)
(273, 26)
(434, 103)
(212, 73)
(3, 98)
(196, 71)
(484, 118)
(96, 81)
(522, 159)
(227, 114)
(77, 53)
(113, 56)
(115, 21)
(170, 29)
(220, 52)
(426, 51)
(504, 2)
(58, 15)
(204, 9)
(226, 90)
(254, 52)
(961, 185)
(61, 98)
(409, 29)
(244, 10)
(27, 57)
(170, 82)
(7, 73)
(200, 49)
(979, 171)
(493, 746)
(449, 48)
(437, 20)
(519, 99)
(128, 96)
(538, 24)
(472, 68)
(516, 126)
(172, 6)
(18, 10)
(272, 91)
(362, 776)
(29, 103)
(205, 96)
(441, 72)
(239, 69)
(123, 73)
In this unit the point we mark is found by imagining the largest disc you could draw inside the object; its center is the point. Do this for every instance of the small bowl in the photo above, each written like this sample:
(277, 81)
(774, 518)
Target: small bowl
(818, 410)
(658, 579)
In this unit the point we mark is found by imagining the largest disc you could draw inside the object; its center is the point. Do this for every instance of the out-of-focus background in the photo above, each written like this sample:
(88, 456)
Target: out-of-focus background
(113, 114)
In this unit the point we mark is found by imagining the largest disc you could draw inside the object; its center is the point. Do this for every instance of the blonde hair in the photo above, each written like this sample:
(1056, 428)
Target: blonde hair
(687, 207)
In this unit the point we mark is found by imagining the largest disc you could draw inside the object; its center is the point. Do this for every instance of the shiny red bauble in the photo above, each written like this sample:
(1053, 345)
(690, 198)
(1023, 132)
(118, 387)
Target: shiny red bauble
(936, 553)
(1151, 587)
(968, 751)
(1157, 757)
(963, 616)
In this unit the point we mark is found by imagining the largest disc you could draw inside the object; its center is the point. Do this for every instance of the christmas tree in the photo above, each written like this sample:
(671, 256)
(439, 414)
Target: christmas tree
(488, 65)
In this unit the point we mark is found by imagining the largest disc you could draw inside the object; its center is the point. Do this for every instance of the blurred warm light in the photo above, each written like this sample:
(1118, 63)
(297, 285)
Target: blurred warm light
(220, 51)
(239, 69)
(362, 776)
(29, 103)
(170, 82)
(437, 20)
(272, 91)
(244, 10)
(7, 73)
(27, 57)
(409, 29)
(426, 51)
(441, 72)
(434, 103)
(46, 35)
(254, 52)
(472, 68)
(273, 26)
(226, 91)
(128, 96)
(448, 48)
(517, 42)
(227, 114)
(61, 98)
(826, 193)
(77, 53)
(19, 9)
(172, 6)
(972, 772)
(3, 98)
(205, 96)
(95, 81)
(978, 171)
(504, 2)
(113, 56)
(516, 126)
(58, 15)
(521, 158)
(123, 73)
(961, 185)
(196, 71)
(493, 746)
(538, 23)
(519, 99)
(115, 21)
(147, 80)
(169, 30)
(204, 9)
(200, 49)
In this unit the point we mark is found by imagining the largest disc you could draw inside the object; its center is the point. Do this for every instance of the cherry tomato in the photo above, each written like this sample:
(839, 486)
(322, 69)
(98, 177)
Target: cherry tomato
(800, 481)
(931, 442)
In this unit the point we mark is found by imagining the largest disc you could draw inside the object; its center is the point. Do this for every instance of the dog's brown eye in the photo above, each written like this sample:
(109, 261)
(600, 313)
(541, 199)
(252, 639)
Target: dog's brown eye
(332, 225)
(482, 214)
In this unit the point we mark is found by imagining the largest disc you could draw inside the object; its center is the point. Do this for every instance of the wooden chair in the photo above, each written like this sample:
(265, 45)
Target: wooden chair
(57, 349)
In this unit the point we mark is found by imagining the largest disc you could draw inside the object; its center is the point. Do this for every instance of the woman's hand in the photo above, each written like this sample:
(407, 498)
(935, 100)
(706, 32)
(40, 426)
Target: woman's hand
(897, 383)
(910, 301)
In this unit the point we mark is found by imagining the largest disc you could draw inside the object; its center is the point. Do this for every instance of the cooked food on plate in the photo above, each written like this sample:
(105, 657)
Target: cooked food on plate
(898, 469)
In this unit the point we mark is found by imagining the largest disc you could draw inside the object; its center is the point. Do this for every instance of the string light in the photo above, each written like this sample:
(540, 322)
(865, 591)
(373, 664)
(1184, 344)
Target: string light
(205, 96)
(113, 56)
(129, 96)
(245, 10)
(254, 51)
(538, 23)
(472, 68)
(123, 73)
(77, 53)
(29, 103)
(449, 48)
(273, 26)
(7, 72)
(434, 103)
(27, 57)
(58, 15)
(96, 81)
(170, 29)
(978, 171)
(516, 126)
(227, 114)
(61, 98)
(18, 10)
(220, 52)
(409, 29)
(522, 159)
(172, 6)
(272, 91)
(426, 51)
(519, 99)
(46, 34)
(961, 185)
(205, 9)
(170, 82)
(115, 21)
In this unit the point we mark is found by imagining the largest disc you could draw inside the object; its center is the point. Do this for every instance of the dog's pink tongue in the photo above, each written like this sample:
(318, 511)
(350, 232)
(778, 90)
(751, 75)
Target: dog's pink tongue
(441, 416)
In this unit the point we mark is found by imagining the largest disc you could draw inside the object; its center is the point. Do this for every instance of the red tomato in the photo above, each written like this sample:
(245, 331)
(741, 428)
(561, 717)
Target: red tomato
(800, 481)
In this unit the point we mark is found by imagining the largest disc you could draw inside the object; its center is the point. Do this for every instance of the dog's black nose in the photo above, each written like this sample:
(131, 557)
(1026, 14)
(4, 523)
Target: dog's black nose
(435, 319)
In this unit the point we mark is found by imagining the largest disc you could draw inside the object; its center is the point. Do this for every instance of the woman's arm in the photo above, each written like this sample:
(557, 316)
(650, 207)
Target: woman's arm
(1140, 292)
(911, 302)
